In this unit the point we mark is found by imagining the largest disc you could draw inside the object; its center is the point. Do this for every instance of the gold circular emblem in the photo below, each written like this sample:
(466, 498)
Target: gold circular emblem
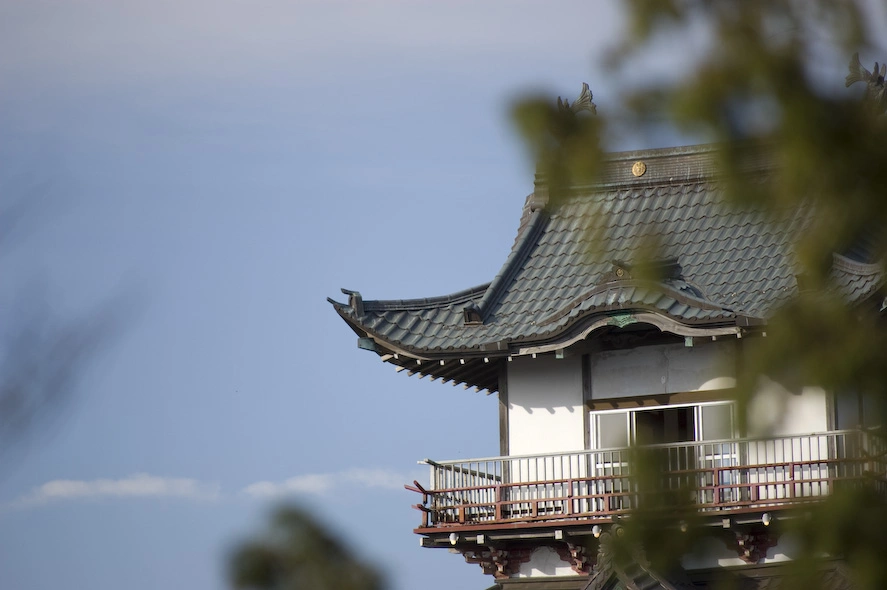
(639, 168)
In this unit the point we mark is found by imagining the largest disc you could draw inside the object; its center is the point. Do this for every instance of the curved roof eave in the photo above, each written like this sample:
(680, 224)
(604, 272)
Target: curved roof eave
(573, 332)
(658, 320)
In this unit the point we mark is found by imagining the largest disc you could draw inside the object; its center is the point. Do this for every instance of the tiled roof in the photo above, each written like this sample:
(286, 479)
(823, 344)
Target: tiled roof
(832, 575)
(573, 267)
(855, 280)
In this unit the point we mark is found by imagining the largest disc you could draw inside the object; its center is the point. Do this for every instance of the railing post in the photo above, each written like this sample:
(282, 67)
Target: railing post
(569, 502)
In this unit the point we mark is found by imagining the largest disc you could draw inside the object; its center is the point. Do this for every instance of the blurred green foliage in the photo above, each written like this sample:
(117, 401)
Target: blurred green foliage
(756, 91)
(297, 553)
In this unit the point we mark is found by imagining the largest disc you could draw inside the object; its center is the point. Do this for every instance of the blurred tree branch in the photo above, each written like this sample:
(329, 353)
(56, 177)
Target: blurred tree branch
(43, 356)
(298, 553)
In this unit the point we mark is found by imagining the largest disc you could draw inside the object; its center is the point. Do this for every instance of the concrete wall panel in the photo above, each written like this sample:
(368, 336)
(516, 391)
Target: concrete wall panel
(670, 368)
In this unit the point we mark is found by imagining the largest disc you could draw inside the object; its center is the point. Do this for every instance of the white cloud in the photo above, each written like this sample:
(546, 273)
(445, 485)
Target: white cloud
(143, 485)
(376, 478)
(322, 483)
(139, 485)
(301, 484)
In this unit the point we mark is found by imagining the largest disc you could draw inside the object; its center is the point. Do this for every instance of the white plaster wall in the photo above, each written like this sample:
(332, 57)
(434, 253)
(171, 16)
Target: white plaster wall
(545, 405)
(545, 561)
(709, 552)
(668, 368)
(775, 410)
(804, 413)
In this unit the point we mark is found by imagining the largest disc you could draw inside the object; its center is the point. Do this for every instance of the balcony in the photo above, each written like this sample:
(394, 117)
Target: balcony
(721, 478)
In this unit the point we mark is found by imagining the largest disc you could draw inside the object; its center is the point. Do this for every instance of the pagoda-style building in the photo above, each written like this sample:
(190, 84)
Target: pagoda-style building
(595, 348)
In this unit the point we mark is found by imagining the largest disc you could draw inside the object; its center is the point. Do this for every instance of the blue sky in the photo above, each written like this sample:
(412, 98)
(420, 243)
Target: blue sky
(215, 170)
(221, 168)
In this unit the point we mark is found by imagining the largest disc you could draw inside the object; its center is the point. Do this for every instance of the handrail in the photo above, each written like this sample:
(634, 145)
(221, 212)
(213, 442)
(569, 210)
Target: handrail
(454, 466)
(657, 446)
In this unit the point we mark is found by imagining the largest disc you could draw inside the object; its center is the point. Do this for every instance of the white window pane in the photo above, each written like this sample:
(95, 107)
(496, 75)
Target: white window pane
(717, 422)
(612, 430)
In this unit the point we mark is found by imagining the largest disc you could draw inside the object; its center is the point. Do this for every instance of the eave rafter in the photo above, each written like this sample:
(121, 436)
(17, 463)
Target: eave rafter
(480, 368)
(470, 372)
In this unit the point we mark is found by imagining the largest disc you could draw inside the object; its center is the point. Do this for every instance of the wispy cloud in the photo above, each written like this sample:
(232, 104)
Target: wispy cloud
(143, 485)
(139, 485)
(321, 483)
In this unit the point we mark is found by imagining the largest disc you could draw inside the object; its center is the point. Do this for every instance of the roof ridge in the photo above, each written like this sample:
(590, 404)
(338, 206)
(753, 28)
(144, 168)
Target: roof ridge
(522, 247)
(640, 169)
(426, 302)
(841, 262)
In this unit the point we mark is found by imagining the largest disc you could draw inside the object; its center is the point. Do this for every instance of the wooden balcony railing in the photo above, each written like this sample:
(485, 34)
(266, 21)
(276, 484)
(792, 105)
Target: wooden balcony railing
(728, 475)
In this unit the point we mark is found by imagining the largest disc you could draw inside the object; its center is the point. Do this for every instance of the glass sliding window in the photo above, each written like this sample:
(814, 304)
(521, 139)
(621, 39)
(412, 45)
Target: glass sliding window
(664, 425)
(717, 458)
(695, 444)
(612, 430)
(717, 421)
(609, 485)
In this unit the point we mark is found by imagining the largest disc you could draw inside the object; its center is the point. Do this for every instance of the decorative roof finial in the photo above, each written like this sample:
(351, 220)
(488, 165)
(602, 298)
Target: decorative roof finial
(876, 90)
(583, 103)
